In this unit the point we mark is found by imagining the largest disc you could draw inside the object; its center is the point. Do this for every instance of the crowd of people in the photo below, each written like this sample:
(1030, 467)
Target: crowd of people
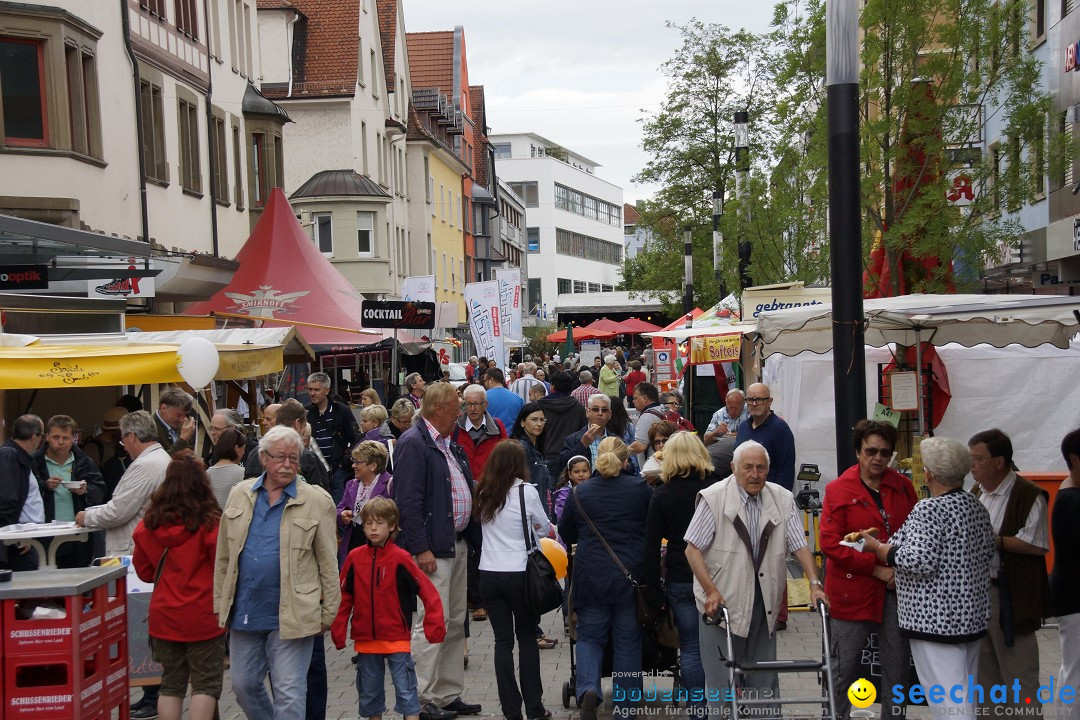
(396, 528)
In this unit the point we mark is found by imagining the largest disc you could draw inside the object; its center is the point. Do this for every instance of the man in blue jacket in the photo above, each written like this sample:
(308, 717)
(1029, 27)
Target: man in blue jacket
(433, 489)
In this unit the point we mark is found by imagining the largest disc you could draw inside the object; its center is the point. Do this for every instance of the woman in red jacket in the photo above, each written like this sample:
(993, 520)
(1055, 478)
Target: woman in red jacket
(861, 589)
(174, 549)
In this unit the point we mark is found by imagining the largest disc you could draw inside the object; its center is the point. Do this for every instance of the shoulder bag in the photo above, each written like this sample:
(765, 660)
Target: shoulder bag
(542, 590)
(646, 613)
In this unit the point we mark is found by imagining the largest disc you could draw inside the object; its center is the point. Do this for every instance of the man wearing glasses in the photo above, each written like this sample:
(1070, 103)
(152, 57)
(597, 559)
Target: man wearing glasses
(119, 516)
(767, 428)
(586, 441)
(276, 608)
(20, 496)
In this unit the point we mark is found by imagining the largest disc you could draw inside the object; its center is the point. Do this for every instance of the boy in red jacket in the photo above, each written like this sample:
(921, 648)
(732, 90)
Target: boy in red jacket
(379, 586)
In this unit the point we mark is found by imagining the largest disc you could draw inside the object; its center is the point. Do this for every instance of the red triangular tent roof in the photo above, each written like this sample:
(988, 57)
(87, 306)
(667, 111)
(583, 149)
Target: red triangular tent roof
(283, 277)
(605, 325)
(636, 326)
(580, 333)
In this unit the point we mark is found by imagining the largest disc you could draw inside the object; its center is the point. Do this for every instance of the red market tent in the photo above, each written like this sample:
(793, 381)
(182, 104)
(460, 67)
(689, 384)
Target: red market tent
(284, 279)
(604, 325)
(636, 326)
(580, 333)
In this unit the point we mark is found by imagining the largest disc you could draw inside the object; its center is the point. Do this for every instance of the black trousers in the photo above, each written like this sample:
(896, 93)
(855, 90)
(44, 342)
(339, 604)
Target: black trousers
(502, 593)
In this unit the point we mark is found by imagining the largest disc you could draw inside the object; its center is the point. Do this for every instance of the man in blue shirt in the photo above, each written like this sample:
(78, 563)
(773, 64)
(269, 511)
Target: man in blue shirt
(767, 428)
(725, 422)
(502, 403)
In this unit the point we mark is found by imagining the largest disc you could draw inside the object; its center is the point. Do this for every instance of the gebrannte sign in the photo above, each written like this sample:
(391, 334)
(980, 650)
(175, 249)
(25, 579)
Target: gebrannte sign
(397, 314)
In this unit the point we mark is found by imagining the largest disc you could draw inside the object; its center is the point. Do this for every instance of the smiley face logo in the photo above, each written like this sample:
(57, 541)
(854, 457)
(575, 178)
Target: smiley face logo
(862, 693)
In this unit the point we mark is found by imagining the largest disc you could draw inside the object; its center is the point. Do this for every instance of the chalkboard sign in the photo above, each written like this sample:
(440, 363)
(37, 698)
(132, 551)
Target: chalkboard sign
(870, 666)
(142, 669)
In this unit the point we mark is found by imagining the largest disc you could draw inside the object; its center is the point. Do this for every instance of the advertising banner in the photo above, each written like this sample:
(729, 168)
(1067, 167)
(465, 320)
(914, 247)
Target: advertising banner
(509, 280)
(485, 319)
(715, 348)
(397, 314)
(418, 287)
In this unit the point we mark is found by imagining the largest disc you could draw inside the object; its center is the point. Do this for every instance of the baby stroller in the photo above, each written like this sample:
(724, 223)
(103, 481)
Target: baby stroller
(823, 668)
(659, 650)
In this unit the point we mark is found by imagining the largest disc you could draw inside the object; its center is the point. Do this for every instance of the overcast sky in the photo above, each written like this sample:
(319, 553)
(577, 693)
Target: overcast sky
(578, 72)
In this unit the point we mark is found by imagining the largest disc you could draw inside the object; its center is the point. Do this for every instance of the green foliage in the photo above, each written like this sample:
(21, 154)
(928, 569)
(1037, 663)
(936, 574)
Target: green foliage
(926, 65)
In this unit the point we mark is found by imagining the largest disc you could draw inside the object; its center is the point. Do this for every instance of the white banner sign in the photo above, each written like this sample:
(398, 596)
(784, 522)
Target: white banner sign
(418, 288)
(122, 288)
(509, 280)
(482, 300)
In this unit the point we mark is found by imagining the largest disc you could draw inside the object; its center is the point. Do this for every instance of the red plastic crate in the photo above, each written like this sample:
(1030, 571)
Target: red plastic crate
(116, 670)
(54, 686)
(79, 630)
(112, 598)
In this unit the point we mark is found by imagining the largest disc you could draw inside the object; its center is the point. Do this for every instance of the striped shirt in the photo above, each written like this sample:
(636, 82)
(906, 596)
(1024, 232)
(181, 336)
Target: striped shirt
(1034, 531)
(460, 496)
(582, 393)
(702, 529)
(523, 385)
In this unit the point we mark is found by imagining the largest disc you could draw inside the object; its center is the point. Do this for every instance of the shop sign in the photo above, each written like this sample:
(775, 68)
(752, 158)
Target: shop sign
(24, 277)
(397, 314)
(715, 349)
(1072, 54)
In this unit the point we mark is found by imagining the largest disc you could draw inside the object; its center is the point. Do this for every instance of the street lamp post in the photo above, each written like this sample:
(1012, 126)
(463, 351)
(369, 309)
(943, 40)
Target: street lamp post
(717, 242)
(742, 170)
(845, 225)
(688, 270)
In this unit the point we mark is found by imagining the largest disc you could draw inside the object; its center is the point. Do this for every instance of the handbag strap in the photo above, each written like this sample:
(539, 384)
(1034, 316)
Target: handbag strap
(622, 568)
(160, 566)
(530, 541)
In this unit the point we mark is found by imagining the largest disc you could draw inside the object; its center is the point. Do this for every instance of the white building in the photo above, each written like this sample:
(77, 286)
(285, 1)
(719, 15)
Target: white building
(340, 69)
(137, 119)
(574, 225)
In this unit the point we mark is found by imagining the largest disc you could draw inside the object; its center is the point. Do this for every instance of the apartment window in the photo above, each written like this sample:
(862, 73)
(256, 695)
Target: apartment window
(533, 234)
(594, 287)
(153, 130)
(360, 62)
(1039, 18)
(214, 30)
(565, 286)
(154, 7)
(258, 168)
(22, 83)
(365, 234)
(374, 75)
(238, 167)
(502, 151)
(536, 296)
(527, 191)
(428, 181)
(82, 92)
(236, 19)
(279, 162)
(188, 130)
(220, 161)
(606, 288)
(1066, 7)
(187, 21)
(581, 286)
(442, 201)
(579, 203)
(445, 273)
(247, 44)
(322, 232)
(434, 260)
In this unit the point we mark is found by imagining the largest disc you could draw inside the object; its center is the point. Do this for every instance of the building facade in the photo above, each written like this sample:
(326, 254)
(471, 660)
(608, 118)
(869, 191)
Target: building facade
(1058, 269)
(573, 219)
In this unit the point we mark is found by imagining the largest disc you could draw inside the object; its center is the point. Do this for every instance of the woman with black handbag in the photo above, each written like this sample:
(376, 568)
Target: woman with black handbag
(511, 516)
(606, 516)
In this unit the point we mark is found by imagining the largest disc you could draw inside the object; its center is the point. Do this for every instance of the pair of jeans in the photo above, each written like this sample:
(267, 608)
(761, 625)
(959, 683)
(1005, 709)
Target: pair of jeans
(253, 655)
(371, 686)
(691, 672)
(595, 625)
(338, 477)
(315, 706)
(502, 593)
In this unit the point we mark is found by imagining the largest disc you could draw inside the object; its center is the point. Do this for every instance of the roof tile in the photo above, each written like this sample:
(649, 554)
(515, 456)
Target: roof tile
(388, 15)
(326, 43)
(431, 60)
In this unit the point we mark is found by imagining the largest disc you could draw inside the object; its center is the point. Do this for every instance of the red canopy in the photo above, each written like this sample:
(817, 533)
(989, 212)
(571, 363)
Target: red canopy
(636, 326)
(283, 277)
(604, 325)
(580, 333)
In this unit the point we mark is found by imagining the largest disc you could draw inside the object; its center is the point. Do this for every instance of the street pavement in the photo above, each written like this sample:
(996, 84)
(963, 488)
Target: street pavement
(802, 639)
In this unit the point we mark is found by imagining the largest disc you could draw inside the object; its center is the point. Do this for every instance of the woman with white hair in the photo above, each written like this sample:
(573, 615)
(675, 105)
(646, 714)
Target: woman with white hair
(609, 377)
(942, 560)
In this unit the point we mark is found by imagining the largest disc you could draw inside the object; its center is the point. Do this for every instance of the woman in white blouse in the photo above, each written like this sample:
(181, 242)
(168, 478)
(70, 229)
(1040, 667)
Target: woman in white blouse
(502, 493)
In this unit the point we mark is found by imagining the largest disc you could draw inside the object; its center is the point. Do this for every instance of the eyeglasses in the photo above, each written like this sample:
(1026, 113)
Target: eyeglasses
(282, 459)
(600, 410)
(874, 452)
(540, 420)
(659, 442)
(756, 401)
(671, 404)
(476, 404)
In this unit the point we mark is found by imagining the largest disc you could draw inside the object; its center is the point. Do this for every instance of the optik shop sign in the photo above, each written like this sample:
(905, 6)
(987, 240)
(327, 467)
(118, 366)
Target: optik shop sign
(397, 314)
(24, 277)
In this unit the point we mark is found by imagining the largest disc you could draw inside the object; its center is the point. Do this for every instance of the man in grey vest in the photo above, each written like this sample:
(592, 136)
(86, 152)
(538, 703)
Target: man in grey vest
(737, 546)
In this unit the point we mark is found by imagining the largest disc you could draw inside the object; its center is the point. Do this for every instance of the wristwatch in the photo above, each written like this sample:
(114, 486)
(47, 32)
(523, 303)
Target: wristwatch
(817, 582)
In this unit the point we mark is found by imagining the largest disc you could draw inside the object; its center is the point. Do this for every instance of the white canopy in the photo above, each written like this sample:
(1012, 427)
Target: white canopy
(682, 333)
(999, 320)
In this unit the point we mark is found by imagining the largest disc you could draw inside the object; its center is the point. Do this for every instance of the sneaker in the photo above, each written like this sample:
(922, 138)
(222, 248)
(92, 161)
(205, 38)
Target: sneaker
(144, 712)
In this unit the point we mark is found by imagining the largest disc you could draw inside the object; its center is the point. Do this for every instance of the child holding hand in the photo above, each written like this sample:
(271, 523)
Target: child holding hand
(379, 586)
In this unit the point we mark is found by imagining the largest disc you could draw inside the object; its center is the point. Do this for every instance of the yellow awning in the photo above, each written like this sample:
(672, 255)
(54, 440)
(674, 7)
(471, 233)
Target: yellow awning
(64, 366)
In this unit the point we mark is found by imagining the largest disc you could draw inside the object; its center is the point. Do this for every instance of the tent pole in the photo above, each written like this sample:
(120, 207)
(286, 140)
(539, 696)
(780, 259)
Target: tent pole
(919, 380)
(393, 364)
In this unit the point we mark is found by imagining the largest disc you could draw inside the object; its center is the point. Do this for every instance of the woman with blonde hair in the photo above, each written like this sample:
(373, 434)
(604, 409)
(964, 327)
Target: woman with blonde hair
(610, 508)
(685, 469)
(369, 397)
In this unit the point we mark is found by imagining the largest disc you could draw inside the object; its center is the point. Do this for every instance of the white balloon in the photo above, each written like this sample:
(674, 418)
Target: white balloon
(197, 360)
